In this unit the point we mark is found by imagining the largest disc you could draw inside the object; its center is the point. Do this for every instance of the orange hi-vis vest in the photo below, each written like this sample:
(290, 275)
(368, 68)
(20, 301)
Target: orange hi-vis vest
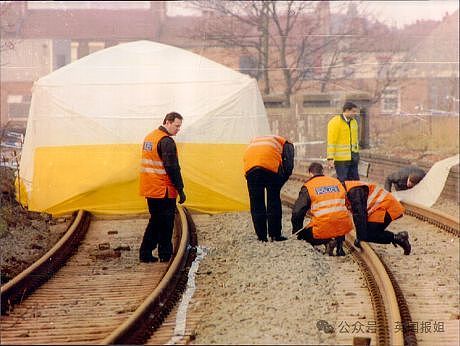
(265, 152)
(379, 201)
(330, 216)
(154, 181)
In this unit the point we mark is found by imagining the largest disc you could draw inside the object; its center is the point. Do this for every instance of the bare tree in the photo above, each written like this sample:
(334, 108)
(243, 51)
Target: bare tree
(238, 24)
(296, 39)
(285, 36)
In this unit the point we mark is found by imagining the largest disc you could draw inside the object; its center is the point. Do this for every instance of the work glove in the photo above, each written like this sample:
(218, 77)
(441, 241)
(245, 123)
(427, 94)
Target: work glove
(182, 197)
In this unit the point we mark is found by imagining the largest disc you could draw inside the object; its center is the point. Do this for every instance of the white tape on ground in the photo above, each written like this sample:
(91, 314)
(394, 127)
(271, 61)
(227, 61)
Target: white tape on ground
(181, 317)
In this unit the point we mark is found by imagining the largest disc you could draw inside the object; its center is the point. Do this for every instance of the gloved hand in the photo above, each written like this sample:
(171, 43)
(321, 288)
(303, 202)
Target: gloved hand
(182, 197)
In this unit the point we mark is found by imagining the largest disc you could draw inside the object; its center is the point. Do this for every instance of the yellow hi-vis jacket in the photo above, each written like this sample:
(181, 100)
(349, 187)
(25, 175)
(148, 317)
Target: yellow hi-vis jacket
(154, 181)
(342, 138)
(265, 152)
(330, 216)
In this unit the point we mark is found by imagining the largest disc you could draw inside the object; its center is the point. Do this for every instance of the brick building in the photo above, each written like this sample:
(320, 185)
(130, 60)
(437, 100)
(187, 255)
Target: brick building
(40, 37)
(46, 36)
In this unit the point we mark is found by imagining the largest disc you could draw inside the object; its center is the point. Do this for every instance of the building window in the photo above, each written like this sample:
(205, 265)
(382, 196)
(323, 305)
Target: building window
(275, 124)
(18, 106)
(60, 61)
(390, 101)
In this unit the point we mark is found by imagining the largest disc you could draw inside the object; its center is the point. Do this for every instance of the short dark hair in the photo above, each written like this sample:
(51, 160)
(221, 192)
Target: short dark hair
(172, 116)
(415, 178)
(348, 106)
(315, 168)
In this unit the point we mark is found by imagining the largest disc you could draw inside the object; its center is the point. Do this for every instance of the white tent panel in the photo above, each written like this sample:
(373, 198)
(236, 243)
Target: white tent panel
(117, 95)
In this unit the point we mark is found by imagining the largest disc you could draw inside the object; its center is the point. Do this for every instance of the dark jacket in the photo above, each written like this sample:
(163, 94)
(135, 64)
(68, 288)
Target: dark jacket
(168, 153)
(399, 178)
(357, 197)
(301, 206)
(288, 161)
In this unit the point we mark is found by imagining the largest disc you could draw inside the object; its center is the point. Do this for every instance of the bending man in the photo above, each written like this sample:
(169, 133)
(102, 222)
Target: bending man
(324, 197)
(268, 164)
(404, 179)
(373, 210)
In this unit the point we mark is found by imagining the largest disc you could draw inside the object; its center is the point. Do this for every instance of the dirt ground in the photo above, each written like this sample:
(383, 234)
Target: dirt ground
(254, 293)
(24, 236)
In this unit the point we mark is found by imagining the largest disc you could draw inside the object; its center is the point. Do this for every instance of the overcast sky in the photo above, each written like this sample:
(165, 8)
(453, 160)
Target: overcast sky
(401, 13)
(397, 13)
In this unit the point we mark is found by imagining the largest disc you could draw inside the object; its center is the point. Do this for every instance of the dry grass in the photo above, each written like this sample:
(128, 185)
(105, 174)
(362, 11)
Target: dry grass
(438, 135)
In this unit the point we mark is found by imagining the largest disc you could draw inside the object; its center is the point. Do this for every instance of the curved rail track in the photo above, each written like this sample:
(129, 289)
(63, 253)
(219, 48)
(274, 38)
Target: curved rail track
(398, 307)
(100, 294)
(434, 217)
(385, 299)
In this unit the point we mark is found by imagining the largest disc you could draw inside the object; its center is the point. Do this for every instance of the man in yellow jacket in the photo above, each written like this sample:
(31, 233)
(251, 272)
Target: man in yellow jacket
(342, 143)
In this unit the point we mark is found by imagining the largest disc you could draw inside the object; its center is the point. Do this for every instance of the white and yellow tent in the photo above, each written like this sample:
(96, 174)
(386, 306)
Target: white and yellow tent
(87, 121)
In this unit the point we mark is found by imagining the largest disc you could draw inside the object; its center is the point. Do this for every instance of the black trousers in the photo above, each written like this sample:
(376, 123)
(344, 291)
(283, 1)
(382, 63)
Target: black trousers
(307, 235)
(347, 170)
(159, 229)
(258, 181)
(377, 233)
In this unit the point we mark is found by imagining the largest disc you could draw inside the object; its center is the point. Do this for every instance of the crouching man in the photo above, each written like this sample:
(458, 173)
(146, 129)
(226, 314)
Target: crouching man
(373, 210)
(324, 198)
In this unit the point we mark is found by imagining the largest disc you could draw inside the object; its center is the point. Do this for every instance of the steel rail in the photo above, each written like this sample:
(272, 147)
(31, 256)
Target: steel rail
(41, 270)
(384, 297)
(434, 217)
(137, 327)
(150, 314)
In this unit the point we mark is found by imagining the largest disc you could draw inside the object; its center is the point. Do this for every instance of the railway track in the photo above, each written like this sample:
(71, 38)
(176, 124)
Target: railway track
(434, 217)
(98, 293)
(389, 305)
(414, 289)
(102, 294)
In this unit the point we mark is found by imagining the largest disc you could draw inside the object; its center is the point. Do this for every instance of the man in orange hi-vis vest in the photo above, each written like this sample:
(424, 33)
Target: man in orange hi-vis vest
(268, 164)
(160, 183)
(373, 210)
(324, 198)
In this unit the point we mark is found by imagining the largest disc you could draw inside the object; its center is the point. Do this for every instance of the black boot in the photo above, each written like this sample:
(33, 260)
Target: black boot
(278, 238)
(339, 248)
(358, 243)
(330, 247)
(402, 239)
